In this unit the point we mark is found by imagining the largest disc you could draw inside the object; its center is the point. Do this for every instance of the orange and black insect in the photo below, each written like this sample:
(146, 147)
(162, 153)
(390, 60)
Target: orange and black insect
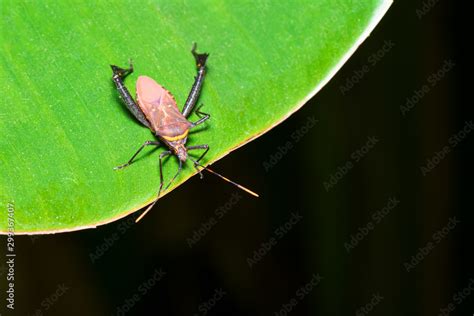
(156, 108)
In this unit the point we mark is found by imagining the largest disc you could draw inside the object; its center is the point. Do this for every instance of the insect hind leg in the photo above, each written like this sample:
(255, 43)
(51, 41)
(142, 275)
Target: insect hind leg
(120, 72)
(119, 75)
(198, 81)
(200, 58)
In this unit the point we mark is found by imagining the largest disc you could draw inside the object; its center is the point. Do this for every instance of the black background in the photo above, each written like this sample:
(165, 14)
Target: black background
(376, 267)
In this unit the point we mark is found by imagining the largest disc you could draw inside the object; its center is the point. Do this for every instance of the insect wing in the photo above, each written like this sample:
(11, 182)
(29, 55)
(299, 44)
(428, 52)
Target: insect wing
(160, 108)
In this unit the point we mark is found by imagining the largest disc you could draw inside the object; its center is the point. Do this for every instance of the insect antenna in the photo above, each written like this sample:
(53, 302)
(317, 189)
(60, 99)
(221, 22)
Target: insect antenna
(146, 211)
(226, 179)
(159, 191)
(203, 167)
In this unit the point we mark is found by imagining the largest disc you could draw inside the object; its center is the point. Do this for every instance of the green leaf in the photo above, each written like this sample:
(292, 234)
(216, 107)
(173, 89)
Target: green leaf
(63, 128)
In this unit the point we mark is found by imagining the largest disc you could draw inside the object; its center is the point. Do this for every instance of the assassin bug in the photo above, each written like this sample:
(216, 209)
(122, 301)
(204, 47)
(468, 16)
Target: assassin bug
(156, 108)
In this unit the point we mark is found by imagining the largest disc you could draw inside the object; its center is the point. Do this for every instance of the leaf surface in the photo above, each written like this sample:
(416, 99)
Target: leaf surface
(63, 127)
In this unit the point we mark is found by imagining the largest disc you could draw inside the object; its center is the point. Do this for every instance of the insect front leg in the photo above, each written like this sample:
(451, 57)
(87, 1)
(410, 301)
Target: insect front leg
(118, 77)
(147, 143)
(196, 163)
(177, 173)
(198, 81)
(162, 155)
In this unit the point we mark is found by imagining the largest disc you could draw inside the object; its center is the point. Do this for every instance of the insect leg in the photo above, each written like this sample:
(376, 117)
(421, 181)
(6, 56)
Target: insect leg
(118, 77)
(205, 146)
(147, 143)
(198, 81)
(196, 163)
(203, 117)
(162, 155)
(179, 170)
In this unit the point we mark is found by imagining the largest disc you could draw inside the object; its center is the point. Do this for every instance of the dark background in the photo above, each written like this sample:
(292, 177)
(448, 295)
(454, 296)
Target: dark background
(372, 278)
